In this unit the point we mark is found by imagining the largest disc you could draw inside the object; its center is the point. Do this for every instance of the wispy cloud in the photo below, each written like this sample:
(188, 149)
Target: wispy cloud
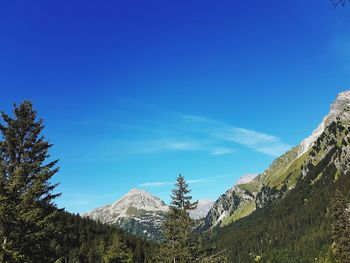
(260, 142)
(166, 183)
(156, 184)
(177, 132)
(154, 145)
(224, 133)
(222, 151)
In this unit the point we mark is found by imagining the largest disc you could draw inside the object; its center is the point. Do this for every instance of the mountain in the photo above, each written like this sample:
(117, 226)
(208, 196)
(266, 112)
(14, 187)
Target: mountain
(287, 217)
(138, 212)
(283, 174)
(202, 209)
(246, 179)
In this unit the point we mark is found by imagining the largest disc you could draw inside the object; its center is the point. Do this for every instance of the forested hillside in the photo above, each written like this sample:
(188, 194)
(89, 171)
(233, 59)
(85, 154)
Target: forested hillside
(298, 227)
(85, 240)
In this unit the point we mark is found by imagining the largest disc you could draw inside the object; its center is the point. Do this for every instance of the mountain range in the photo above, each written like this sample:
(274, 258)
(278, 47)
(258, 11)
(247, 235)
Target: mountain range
(141, 213)
(284, 172)
(302, 179)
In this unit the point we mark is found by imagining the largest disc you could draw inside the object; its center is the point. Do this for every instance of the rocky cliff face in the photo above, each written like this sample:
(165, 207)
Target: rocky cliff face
(202, 209)
(339, 111)
(326, 148)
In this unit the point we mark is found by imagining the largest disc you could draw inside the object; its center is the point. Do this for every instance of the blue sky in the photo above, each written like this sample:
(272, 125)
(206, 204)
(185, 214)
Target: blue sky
(135, 92)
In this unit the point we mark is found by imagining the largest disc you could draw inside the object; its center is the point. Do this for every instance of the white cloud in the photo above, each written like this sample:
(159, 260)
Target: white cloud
(181, 132)
(181, 146)
(260, 142)
(257, 141)
(156, 184)
(160, 184)
(222, 151)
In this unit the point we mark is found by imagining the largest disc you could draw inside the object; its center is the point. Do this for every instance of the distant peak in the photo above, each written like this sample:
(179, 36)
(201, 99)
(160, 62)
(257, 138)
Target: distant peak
(247, 178)
(205, 201)
(136, 191)
(344, 94)
(340, 107)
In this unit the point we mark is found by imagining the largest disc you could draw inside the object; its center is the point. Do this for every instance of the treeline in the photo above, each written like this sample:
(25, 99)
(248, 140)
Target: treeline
(85, 240)
(182, 243)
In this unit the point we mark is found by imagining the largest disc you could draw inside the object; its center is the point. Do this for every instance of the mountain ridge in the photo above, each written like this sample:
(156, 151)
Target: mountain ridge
(280, 177)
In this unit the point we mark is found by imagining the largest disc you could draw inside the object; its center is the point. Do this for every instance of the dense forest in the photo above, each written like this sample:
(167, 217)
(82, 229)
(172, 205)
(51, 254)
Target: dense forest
(85, 240)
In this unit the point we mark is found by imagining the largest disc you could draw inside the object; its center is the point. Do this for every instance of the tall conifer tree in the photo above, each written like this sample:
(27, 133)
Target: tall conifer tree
(26, 194)
(178, 229)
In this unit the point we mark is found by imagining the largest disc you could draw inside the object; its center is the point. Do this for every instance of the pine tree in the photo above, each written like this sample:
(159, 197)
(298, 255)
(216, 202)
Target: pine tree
(26, 195)
(341, 227)
(180, 242)
(117, 251)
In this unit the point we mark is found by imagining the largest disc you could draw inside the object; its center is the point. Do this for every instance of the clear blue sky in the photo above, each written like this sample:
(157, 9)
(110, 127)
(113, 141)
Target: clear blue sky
(135, 92)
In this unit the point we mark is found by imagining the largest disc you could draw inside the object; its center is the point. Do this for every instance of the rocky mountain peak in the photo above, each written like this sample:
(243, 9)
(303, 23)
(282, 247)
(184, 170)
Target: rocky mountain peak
(138, 212)
(141, 200)
(340, 110)
(282, 175)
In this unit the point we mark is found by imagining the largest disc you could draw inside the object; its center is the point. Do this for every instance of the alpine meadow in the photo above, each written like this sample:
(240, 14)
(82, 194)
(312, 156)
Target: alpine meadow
(175, 132)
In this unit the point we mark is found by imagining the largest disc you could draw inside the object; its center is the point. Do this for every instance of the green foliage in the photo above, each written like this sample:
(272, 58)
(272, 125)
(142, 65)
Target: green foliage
(84, 240)
(340, 227)
(32, 229)
(181, 201)
(327, 256)
(117, 251)
(27, 212)
(182, 243)
(289, 230)
(178, 229)
(243, 211)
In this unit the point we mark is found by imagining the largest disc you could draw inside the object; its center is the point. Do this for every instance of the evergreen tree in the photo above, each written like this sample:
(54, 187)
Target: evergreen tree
(180, 242)
(341, 227)
(26, 195)
(117, 252)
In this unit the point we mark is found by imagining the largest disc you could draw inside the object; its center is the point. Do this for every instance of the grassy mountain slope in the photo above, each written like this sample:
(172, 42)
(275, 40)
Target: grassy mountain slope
(282, 175)
(294, 227)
